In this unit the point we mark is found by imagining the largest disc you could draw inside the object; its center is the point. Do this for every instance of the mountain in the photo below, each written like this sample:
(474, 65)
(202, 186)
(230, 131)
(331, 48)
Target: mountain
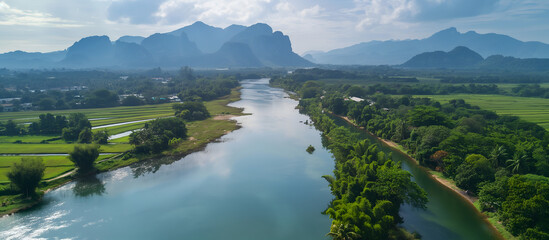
(207, 38)
(131, 39)
(272, 48)
(394, 52)
(465, 58)
(459, 57)
(498, 62)
(171, 50)
(197, 45)
(90, 52)
(19, 59)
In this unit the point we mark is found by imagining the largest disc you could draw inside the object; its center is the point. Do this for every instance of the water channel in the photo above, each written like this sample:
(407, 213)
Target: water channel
(255, 183)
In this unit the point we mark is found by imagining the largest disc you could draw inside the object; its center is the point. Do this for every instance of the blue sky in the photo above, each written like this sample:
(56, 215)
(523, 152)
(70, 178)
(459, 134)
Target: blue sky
(48, 25)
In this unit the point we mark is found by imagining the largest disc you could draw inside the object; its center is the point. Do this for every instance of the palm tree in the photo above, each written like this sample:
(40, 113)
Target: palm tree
(516, 163)
(342, 232)
(497, 153)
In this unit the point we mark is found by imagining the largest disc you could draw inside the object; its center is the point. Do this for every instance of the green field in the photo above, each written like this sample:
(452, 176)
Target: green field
(10, 148)
(55, 165)
(530, 109)
(103, 115)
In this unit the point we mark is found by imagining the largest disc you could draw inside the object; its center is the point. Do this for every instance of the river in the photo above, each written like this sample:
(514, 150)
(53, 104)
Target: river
(255, 183)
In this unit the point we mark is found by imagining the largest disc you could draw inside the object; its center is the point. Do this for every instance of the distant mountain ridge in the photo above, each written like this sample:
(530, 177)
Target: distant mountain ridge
(465, 58)
(196, 45)
(395, 52)
(459, 57)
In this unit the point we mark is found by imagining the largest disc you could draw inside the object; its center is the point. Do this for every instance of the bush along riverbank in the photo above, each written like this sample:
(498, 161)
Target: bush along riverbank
(187, 135)
(492, 157)
(368, 187)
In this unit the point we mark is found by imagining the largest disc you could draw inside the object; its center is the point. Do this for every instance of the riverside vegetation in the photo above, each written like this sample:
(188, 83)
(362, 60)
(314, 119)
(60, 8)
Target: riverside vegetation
(501, 159)
(56, 133)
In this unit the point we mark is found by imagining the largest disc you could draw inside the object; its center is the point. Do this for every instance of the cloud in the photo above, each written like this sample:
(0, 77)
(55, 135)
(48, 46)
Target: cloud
(134, 11)
(376, 12)
(15, 17)
(430, 10)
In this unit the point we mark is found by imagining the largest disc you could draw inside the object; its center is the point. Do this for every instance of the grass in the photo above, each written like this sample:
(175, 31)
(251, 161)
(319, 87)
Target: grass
(200, 133)
(26, 138)
(121, 128)
(55, 165)
(535, 110)
(219, 106)
(112, 115)
(10, 148)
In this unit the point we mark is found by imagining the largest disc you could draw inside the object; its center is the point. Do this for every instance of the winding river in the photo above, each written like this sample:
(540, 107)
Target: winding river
(255, 183)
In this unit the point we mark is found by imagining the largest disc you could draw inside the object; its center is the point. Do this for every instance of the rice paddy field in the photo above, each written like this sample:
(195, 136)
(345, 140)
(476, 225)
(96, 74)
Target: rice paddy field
(530, 109)
(114, 120)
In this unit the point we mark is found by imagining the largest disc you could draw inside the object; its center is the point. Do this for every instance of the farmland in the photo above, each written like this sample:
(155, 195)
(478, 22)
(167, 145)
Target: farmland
(12, 148)
(530, 109)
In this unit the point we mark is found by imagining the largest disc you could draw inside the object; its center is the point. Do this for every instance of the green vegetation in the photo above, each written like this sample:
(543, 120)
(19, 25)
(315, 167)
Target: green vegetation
(26, 175)
(310, 149)
(158, 135)
(368, 187)
(530, 109)
(191, 111)
(84, 156)
(500, 158)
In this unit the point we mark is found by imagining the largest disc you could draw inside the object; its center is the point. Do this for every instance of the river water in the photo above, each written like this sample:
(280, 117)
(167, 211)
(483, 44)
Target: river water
(256, 183)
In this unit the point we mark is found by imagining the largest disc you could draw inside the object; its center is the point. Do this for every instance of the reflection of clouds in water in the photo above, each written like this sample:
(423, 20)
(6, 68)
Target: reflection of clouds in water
(93, 223)
(24, 229)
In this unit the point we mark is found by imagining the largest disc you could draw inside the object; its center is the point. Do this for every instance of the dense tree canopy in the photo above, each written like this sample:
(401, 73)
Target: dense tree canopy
(83, 156)
(27, 174)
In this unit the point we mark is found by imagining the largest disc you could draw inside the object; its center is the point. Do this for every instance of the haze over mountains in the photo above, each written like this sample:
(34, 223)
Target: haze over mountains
(394, 52)
(465, 58)
(198, 45)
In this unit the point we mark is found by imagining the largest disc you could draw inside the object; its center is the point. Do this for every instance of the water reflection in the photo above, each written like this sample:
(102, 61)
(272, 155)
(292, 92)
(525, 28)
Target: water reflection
(88, 186)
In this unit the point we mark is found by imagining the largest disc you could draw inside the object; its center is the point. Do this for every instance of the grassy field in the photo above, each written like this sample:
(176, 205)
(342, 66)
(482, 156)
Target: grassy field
(55, 165)
(531, 109)
(200, 133)
(10, 148)
(103, 115)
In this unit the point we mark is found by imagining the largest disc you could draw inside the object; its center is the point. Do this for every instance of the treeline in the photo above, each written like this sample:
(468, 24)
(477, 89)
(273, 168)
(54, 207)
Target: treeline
(158, 135)
(422, 89)
(368, 186)
(494, 157)
(75, 128)
(49, 90)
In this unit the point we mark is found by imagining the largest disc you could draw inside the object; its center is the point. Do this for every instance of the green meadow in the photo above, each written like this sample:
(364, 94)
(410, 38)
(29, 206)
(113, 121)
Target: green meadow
(530, 109)
(200, 133)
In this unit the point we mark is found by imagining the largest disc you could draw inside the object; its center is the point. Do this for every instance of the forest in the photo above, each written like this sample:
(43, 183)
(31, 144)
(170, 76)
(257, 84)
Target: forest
(501, 159)
(66, 89)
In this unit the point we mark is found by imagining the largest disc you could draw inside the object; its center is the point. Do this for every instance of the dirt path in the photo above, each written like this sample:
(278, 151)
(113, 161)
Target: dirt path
(224, 117)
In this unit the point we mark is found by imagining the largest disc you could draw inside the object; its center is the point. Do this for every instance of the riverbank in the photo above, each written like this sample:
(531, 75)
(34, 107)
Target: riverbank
(442, 180)
(200, 133)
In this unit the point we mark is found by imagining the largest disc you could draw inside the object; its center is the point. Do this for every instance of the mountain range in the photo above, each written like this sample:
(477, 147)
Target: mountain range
(197, 45)
(394, 52)
(465, 58)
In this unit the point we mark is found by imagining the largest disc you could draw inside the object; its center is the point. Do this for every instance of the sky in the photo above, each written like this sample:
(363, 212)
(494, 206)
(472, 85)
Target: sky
(50, 25)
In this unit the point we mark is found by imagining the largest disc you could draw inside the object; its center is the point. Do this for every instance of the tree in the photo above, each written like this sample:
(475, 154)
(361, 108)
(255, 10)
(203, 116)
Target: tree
(132, 101)
(191, 111)
(85, 136)
(425, 115)
(77, 123)
(100, 137)
(157, 134)
(83, 157)
(101, 98)
(342, 232)
(27, 174)
(474, 170)
(11, 128)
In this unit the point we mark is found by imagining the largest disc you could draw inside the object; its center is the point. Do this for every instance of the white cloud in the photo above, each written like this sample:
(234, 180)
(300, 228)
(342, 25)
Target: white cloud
(13, 16)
